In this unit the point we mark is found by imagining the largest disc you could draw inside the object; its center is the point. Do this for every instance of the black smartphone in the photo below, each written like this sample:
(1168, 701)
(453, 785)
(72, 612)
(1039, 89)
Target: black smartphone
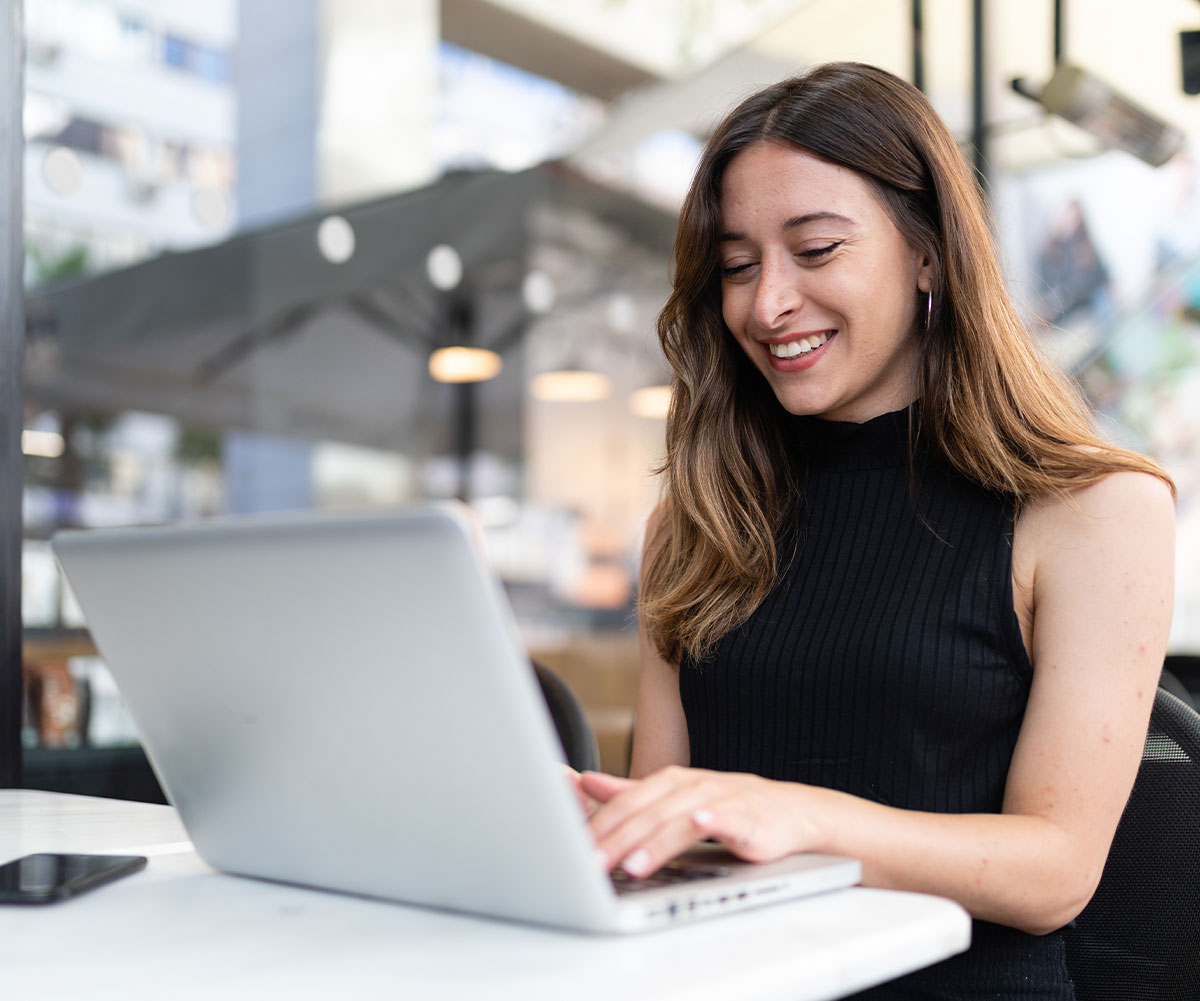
(47, 877)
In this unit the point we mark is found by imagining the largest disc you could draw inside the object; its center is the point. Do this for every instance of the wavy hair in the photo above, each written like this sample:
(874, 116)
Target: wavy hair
(991, 405)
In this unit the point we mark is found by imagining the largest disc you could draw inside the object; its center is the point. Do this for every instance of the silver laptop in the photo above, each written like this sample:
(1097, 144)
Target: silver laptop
(344, 703)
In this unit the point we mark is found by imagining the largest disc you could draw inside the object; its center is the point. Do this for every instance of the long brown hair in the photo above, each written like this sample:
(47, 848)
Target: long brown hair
(990, 404)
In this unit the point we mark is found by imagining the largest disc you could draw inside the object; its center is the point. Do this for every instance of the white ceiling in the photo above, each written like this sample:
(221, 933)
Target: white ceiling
(696, 58)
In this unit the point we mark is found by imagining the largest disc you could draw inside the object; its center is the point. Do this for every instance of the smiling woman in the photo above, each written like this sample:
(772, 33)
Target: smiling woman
(890, 607)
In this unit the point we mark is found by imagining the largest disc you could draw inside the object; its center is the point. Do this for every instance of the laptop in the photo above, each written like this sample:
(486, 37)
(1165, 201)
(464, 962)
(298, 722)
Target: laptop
(343, 702)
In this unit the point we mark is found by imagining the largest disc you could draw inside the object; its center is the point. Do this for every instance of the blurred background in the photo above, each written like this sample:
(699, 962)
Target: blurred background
(345, 254)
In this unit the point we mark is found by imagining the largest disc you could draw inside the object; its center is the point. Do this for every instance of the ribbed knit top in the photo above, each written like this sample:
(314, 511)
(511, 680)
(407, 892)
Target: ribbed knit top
(887, 661)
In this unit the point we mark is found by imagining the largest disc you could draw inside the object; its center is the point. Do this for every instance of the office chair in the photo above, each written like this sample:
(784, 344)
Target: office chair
(1186, 668)
(1139, 938)
(1172, 684)
(574, 731)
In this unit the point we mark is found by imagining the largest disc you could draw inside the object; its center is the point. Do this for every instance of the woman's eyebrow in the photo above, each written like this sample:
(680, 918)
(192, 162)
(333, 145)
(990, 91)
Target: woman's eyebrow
(794, 222)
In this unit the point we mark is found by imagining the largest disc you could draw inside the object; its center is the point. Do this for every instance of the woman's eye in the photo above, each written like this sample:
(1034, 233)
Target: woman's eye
(817, 252)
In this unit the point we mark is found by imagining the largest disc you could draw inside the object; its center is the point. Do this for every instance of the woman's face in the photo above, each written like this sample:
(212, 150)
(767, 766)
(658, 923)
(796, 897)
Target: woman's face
(818, 285)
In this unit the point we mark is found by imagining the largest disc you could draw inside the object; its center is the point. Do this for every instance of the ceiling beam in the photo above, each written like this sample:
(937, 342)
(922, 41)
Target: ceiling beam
(500, 33)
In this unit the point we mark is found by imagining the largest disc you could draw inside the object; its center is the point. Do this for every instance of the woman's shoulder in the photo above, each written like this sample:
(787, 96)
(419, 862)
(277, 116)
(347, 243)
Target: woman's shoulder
(1131, 497)
(1122, 512)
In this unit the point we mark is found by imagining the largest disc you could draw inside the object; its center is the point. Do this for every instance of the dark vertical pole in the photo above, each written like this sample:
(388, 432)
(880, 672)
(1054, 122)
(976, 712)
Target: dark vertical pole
(464, 436)
(918, 47)
(12, 341)
(978, 103)
(1058, 31)
(459, 325)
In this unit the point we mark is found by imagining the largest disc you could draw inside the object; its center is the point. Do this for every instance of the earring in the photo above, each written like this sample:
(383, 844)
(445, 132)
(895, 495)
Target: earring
(928, 307)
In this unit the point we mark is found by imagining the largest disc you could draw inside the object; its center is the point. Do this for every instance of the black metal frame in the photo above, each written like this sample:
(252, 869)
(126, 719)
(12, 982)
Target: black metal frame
(979, 127)
(12, 345)
(918, 45)
(1059, 31)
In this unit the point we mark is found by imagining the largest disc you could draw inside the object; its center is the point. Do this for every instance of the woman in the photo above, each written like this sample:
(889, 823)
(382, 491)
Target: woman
(900, 602)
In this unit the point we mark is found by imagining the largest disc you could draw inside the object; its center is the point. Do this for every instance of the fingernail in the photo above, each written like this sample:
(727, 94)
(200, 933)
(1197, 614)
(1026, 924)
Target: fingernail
(603, 860)
(702, 818)
(638, 863)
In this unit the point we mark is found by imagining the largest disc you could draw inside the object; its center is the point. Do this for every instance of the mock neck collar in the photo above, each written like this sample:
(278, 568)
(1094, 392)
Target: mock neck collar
(879, 443)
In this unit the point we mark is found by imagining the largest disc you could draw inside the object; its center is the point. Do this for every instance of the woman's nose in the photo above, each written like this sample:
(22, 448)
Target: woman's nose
(777, 297)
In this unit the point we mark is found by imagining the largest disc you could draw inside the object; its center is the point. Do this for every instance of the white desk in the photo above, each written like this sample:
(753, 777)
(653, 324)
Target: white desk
(180, 930)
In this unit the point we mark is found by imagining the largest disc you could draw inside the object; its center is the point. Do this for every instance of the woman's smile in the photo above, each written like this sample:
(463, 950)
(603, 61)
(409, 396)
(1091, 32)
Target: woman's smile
(797, 352)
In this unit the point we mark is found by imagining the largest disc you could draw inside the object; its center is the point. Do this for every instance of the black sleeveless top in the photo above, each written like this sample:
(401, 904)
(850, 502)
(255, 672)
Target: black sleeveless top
(887, 662)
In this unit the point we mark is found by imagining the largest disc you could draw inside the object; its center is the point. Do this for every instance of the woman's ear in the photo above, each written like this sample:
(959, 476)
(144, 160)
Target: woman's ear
(925, 274)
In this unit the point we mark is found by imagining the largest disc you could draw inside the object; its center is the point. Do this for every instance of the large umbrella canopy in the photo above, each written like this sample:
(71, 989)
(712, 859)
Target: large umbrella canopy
(264, 333)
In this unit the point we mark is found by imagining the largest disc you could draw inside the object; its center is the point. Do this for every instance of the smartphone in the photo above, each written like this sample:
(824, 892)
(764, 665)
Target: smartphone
(47, 877)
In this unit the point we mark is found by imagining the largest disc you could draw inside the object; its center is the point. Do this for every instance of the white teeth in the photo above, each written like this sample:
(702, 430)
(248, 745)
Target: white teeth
(798, 347)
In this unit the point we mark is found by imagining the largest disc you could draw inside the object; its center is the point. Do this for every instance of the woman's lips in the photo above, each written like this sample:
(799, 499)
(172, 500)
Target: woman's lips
(797, 358)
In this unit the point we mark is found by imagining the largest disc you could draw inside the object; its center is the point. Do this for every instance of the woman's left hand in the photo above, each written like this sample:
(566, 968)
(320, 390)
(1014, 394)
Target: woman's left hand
(642, 824)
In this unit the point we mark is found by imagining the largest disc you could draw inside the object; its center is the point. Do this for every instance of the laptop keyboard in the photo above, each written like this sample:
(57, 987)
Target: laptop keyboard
(670, 874)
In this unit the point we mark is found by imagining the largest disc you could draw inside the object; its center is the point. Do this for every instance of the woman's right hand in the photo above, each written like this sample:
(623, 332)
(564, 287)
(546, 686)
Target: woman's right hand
(588, 804)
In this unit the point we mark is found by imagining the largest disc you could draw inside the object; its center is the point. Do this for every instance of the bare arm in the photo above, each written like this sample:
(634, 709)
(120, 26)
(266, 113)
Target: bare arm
(660, 734)
(1101, 583)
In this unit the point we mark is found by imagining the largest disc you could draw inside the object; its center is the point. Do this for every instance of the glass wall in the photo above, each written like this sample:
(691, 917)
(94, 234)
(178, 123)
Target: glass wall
(267, 240)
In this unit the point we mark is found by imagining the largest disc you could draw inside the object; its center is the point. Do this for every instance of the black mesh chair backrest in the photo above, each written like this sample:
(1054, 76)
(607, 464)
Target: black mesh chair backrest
(1139, 938)
(574, 731)
(1170, 681)
(1185, 667)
